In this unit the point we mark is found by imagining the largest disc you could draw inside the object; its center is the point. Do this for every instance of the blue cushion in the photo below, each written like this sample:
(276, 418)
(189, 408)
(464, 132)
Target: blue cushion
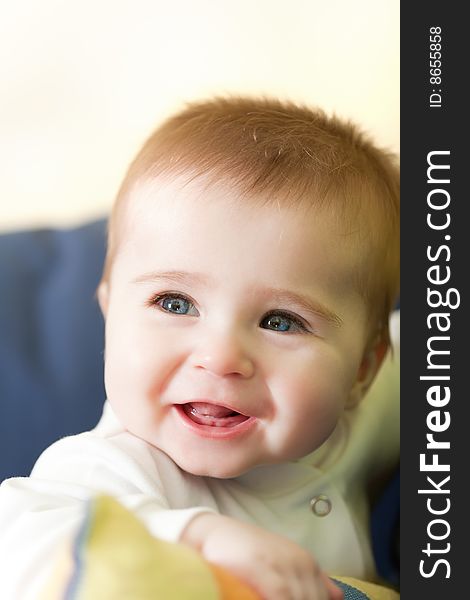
(51, 340)
(385, 530)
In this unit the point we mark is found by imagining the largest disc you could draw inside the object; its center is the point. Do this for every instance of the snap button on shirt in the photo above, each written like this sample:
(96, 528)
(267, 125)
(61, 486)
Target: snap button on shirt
(320, 505)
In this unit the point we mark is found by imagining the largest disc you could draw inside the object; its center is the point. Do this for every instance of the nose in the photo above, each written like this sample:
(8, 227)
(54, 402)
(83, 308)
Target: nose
(224, 354)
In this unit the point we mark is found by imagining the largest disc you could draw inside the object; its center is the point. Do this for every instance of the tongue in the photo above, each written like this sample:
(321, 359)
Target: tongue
(211, 410)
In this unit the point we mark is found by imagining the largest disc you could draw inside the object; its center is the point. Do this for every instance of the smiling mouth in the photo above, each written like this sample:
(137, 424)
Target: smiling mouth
(213, 415)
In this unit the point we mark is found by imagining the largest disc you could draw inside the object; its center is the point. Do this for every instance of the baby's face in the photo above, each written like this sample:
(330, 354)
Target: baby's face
(234, 334)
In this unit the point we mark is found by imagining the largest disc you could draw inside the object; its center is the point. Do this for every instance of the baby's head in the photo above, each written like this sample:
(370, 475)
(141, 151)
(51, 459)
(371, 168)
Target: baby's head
(251, 269)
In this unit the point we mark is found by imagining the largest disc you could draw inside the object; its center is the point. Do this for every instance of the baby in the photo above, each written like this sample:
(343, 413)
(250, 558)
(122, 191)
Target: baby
(252, 265)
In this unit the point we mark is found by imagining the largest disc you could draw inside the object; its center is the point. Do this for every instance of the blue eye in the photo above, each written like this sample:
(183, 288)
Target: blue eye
(282, 322)
(175, 304)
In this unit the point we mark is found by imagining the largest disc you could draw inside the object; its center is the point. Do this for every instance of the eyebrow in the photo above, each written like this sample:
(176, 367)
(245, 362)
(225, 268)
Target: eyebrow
(309, 305)
(176, 276)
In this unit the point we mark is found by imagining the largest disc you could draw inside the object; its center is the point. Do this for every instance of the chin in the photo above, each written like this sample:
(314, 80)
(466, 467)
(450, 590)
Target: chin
(216, 471)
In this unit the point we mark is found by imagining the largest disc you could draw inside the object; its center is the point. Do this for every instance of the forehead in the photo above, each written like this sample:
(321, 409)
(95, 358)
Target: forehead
(213, 227)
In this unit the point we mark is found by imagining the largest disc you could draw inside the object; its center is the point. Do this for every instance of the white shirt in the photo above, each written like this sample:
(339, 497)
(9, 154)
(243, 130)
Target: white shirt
(40, 512)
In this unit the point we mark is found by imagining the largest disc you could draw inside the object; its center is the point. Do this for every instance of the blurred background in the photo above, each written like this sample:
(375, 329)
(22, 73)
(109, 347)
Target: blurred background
(82, 84)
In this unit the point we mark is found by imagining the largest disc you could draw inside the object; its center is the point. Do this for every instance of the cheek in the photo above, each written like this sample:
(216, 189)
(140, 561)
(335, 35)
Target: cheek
(132, 380)
(317, 403)
(312, 393)
(137, 361)
(310, 413)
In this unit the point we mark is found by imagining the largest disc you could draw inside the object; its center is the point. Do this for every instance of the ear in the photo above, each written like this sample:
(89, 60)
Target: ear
(103, 297)
(367, 371)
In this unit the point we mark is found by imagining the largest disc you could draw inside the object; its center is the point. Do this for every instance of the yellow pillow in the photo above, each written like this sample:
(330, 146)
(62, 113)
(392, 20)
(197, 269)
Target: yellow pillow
(114, 557)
